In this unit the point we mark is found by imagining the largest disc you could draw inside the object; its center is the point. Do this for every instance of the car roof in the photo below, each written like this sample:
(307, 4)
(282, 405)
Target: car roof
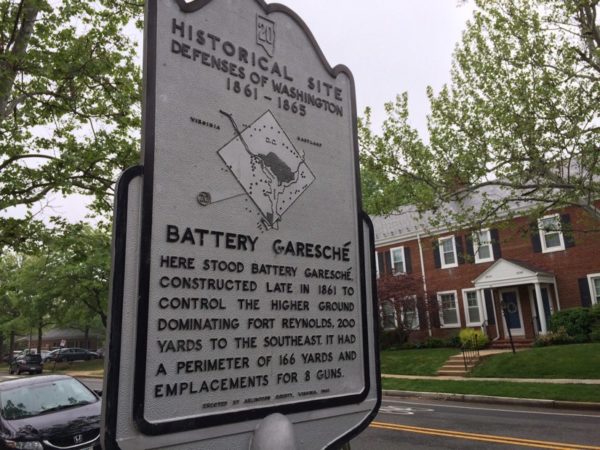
(41, 379)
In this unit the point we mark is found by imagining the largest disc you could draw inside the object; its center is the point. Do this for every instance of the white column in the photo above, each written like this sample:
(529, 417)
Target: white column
(541, 311)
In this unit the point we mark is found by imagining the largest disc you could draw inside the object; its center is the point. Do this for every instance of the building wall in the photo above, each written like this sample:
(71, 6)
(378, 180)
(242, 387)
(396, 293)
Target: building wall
(569, 265)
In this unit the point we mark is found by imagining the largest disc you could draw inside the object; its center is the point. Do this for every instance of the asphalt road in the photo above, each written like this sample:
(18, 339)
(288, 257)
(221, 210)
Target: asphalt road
(429, 424)
(416, 424)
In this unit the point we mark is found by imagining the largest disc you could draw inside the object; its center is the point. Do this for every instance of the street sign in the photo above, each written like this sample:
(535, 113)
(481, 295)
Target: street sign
(253, 296)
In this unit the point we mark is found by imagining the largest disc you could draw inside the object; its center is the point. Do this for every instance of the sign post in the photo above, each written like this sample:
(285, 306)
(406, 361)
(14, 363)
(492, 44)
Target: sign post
(242, 290)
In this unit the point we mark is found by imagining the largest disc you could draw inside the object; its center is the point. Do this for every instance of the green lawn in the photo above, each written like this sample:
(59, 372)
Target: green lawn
(561, 361)
(570, 392)
(415, 362)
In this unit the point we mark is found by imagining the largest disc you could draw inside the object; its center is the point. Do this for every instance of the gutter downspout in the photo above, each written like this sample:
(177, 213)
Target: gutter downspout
(424, 282)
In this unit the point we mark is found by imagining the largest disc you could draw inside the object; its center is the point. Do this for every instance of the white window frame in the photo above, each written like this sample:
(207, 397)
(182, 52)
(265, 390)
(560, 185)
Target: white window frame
(440, 304)
(595, 296)
(543, 234)
(441, 250)
(376, 264)
(393, 261)
(478, 243)
(417, 324)
(465, 293)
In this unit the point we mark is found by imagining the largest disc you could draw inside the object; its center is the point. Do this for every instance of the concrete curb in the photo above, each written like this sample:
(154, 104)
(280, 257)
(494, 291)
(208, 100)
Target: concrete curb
(499, 400)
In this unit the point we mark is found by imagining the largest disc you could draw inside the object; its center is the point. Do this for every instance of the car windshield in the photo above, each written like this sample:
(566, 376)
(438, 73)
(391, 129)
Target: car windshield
(33, 359)
(37, 399)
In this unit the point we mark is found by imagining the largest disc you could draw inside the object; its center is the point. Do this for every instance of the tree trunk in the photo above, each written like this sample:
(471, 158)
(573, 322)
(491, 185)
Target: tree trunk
(87, 337)
(11, 345)
(39, 340)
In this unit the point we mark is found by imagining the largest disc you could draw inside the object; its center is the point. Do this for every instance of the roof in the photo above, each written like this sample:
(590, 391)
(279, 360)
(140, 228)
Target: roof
(506, 272)
(406, 222)
(66, 333)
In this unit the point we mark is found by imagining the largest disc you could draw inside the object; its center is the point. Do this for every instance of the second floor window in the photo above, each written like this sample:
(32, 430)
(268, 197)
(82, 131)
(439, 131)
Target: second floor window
(482, 246)
(448, 252)
(398, 264)
(551, 235)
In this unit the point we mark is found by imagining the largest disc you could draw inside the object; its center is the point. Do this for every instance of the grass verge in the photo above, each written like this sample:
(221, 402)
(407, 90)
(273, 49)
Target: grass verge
(560, 361)
(415, 362)
(565, 392)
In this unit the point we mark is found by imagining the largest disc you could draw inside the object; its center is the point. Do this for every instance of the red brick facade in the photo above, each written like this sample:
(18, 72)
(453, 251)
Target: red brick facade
(573, 267)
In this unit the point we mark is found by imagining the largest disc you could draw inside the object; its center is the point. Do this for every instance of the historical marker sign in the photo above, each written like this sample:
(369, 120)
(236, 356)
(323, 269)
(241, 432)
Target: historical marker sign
(253, 286)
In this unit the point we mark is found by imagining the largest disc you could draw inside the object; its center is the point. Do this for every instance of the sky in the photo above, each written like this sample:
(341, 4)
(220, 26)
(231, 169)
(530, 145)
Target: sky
(391, 46)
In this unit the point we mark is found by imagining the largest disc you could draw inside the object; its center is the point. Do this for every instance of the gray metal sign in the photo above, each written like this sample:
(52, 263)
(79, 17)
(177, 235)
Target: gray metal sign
(253, 294)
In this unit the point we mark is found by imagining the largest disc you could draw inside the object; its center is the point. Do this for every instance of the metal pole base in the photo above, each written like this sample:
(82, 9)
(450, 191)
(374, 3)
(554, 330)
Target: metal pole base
(275, 432)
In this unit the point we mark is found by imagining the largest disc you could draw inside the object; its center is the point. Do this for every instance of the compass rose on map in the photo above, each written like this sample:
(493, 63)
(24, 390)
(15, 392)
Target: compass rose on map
(267, 166)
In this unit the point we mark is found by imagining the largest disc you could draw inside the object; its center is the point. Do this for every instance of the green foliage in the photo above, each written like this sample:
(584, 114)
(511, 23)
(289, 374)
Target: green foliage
(473, 338)
(595, 323)
(574, 322)
(516, 125)
(389, 339)
(70, 90)
(62, 282)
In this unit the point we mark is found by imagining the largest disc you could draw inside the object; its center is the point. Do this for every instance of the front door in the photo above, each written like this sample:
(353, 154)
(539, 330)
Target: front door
(512, 312)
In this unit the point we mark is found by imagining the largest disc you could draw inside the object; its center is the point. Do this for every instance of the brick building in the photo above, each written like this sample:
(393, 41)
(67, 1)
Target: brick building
(530, 269)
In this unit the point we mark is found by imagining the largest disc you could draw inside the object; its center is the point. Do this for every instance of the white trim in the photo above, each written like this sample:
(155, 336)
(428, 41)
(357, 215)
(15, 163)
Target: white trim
(543, 234)
(441, 248)
(466, 307)
(441, 310)
(514, 331)
(477, 243)
(376, 264)
(593, 295)
(392, 261)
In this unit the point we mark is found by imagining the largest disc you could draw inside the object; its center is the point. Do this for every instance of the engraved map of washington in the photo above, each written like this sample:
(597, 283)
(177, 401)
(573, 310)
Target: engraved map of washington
(268, 167)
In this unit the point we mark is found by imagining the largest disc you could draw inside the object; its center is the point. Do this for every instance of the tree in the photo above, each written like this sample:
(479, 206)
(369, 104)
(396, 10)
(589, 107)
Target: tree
(517, 128)
(402, 304)
(70, 90)
(79, 264)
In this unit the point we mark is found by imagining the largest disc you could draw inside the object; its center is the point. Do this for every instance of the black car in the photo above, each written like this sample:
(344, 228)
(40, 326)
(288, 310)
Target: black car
(26, 363)
(70, 354)
(49, 412)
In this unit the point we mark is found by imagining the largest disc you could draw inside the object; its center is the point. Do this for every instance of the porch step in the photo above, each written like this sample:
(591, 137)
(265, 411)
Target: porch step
(519, 343)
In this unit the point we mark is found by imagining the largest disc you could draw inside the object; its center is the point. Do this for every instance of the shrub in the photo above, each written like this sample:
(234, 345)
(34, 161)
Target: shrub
(391, 338)
(595, 323)
(576, 323)
(433, 343)
(473, 338)
(558, 337)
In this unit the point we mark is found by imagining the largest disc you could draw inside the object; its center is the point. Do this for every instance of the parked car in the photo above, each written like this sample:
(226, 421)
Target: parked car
(8, 358)
(49, 412)
(26, 363)
(70, 354)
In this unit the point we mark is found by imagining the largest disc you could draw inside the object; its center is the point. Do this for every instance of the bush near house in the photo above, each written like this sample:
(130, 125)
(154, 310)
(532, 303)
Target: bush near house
(574, 325)
(473, 338)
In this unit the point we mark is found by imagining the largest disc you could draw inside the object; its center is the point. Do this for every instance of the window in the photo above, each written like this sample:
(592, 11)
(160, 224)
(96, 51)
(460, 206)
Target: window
(388, 316)
(472, 308)
(376, 265)
(410, 313)
(448, 252)
(482, 246)
(594, 281)
(449, 317)
(397, 255)
(551, 236)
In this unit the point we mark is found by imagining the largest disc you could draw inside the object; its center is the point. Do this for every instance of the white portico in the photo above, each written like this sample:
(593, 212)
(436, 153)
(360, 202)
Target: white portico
(505, 278)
